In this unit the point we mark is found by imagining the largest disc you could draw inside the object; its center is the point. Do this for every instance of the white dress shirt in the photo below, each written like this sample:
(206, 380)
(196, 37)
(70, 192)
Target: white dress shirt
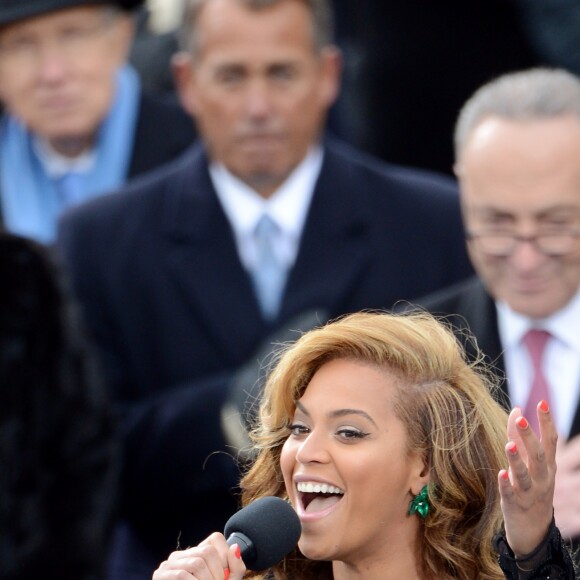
(57, 165)
(561, 362)
(288, 207)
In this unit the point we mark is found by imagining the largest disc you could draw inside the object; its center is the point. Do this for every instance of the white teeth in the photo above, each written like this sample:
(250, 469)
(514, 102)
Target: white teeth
(312, 487)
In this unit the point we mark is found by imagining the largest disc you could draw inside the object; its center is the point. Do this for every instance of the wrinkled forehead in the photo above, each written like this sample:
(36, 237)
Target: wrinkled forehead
(527, 165)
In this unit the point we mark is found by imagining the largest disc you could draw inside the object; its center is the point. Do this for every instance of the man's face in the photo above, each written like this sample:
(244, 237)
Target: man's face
(522, 178)
(57, 71)
(258, 88)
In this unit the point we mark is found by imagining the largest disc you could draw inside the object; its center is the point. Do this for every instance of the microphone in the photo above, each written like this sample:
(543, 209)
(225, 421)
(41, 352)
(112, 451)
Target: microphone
(265, 530)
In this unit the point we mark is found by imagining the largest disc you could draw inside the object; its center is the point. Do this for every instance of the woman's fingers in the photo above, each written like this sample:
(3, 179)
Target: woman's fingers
(212, 559)
(513, 433)
(520, 477)
(194, 563)
(549, 434)
(532, 461)
(527, 488)
(237, 568)
(539, 454)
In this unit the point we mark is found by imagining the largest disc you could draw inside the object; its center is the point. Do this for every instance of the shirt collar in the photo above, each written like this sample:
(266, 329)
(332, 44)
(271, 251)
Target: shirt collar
(288, 205)
(57, 165)
(563, 324)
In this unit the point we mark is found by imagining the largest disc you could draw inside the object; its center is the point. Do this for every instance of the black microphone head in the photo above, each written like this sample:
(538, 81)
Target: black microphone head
(273, 528)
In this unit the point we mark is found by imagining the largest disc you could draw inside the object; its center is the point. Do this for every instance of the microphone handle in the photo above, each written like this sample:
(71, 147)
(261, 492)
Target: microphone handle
(246, 545)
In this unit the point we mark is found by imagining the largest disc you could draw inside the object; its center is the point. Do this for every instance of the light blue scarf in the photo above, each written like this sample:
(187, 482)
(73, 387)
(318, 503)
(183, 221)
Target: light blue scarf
(31, 203)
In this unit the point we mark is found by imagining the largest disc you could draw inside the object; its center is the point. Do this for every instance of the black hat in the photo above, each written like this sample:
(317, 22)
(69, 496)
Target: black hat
(14, 10)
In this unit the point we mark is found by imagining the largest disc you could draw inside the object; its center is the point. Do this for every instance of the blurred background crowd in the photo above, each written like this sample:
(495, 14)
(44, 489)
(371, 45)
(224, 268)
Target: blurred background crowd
(139, 316)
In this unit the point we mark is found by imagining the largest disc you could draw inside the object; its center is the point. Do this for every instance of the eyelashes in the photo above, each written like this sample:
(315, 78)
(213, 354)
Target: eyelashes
(344, 433)
(350, 434)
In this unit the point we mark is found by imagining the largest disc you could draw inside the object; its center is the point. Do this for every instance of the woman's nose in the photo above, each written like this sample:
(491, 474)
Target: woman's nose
(313, 449)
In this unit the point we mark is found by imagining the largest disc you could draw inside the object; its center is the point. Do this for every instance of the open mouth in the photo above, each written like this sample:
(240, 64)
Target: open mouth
(316, 497)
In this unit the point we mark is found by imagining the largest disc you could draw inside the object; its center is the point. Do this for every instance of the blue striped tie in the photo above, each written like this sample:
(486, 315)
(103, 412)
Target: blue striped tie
(269, 274)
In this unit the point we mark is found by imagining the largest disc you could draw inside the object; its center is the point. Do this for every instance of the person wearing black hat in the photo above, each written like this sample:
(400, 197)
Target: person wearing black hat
(77, 123)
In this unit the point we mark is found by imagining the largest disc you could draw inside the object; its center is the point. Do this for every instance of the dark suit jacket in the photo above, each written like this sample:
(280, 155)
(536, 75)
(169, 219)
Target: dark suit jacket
(173, 311)
(467, 305)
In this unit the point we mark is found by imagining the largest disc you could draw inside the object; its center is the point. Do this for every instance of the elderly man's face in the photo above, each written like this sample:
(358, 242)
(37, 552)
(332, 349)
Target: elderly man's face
(57, 71)
(258, 88)
(522, 179)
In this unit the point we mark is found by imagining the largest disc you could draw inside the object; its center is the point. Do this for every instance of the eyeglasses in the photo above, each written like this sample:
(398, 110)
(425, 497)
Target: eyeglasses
(503, 244)
(72, 41)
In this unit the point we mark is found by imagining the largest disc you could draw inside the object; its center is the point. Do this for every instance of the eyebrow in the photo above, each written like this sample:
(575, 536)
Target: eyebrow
(340, 413)
(541, 213)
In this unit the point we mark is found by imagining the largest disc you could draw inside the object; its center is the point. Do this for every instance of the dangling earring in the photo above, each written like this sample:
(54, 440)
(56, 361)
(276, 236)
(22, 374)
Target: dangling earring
(420, 503)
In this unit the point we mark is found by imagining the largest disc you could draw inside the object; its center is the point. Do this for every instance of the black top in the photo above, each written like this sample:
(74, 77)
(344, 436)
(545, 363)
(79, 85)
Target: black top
(549, 561)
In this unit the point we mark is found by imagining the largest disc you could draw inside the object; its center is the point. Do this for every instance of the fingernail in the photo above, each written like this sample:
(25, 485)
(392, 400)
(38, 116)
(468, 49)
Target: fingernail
(238, 552)
(544, 406)
(504, 474)
(226, 573)
(512, 448)
(522, 422)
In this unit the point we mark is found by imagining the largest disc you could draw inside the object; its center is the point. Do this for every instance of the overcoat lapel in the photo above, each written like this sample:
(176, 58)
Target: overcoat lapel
(335, 247)
(202, 255)
(203, 259)
(478, 309)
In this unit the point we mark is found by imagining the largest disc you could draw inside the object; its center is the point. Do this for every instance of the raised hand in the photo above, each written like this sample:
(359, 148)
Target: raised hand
(212, 559)
(527, 488)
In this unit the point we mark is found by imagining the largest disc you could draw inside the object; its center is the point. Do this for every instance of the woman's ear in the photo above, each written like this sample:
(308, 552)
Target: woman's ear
(421, 475)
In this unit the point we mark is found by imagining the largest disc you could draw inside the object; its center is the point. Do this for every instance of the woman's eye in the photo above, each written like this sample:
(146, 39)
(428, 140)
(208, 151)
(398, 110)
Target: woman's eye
(298, 429)
(351, 434)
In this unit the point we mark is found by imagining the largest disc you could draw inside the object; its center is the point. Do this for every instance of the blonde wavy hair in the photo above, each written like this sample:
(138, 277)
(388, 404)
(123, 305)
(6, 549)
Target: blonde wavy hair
(451, 418)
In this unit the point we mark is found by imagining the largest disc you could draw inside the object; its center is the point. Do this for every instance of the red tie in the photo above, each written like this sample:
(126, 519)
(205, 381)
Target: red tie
(535, 341)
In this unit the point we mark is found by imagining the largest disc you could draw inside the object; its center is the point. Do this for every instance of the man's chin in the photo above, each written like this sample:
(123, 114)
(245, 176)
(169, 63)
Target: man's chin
(535, 306)
(71, 143)
(263, 178)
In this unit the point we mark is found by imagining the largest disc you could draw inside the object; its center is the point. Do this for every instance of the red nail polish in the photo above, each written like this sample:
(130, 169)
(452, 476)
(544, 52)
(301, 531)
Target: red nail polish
(238, 552)
(522, 423)
(512, 448)
(226, 573)
(544, 406)
(504, 475)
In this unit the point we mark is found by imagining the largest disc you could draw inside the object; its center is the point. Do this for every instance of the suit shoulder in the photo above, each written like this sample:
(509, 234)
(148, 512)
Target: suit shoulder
(397, 179)
(141, 196)
(451, 300)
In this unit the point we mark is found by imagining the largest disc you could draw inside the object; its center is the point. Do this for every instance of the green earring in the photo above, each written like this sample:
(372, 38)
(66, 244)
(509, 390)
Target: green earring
(420, 503)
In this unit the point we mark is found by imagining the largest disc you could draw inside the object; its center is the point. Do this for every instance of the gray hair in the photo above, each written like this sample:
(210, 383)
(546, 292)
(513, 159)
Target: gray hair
(539, 93)
(321, 12)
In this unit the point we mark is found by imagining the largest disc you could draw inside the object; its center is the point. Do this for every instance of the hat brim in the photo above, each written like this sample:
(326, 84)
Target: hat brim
(15, 10)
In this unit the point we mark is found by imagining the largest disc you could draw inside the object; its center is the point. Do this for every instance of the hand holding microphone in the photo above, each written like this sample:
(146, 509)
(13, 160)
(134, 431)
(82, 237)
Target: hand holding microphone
(259, 536)
(266, 530)
(212, 559)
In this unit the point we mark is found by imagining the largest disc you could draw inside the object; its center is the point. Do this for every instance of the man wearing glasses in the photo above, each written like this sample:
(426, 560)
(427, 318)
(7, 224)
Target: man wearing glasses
(77, 122)
(517, 145)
